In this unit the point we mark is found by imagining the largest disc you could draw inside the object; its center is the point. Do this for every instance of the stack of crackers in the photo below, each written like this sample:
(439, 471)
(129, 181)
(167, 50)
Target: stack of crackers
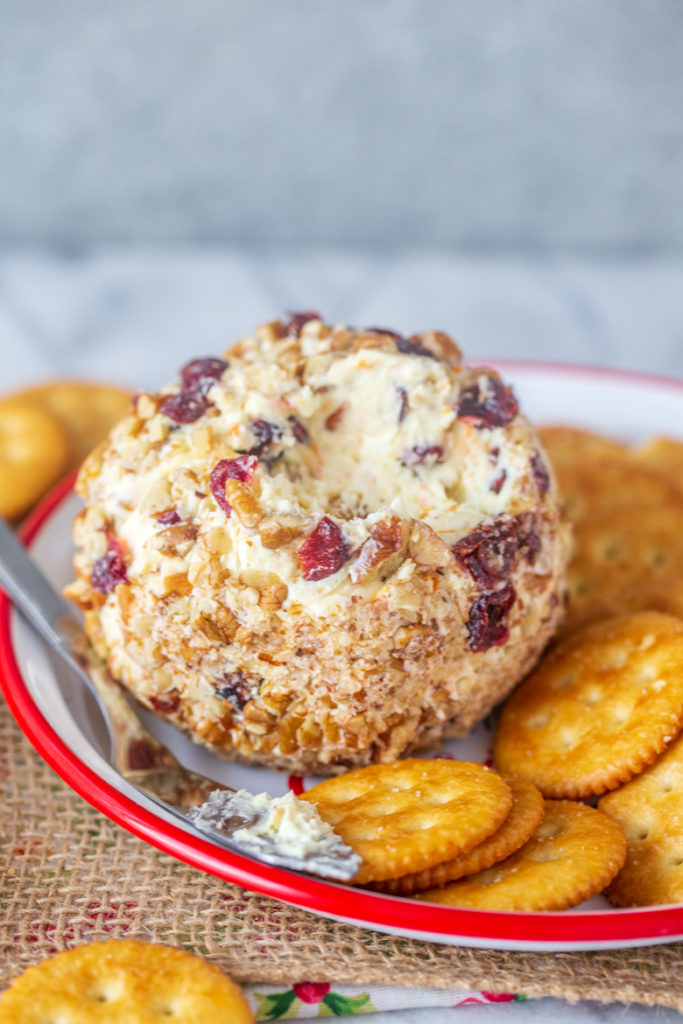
(46, 431)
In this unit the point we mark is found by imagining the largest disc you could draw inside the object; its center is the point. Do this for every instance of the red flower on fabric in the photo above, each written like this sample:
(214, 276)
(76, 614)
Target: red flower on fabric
(311, 991)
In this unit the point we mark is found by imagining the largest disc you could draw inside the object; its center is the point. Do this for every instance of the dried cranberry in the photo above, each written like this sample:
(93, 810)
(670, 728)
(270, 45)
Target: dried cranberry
(403, 406)
(493, 405)
(166, 703)
(264, 433)
(142, 754)
(297, 320)
(487, 623)
(235, 687)
(324, 551)
(109, 570)
(242, 469)
(385, 330)
(540, 473)
(488, 552)
(298, 429)
(411, 347)
(169, 518)
(185, 407)
(498, 482)
(200, 374)
(419, 454)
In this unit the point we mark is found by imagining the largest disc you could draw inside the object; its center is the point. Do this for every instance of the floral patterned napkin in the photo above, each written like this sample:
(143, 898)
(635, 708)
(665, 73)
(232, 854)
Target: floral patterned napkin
(310, 999)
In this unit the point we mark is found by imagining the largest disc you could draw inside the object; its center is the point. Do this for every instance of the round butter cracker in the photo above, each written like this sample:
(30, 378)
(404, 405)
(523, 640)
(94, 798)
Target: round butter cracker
(649, 809)
(574, 854)
(599, 708)
(406, 816)
(33, 455)
(524, 818)
(124, 982)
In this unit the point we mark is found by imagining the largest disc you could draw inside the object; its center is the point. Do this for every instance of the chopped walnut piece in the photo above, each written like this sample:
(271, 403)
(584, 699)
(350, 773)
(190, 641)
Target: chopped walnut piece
(426, 547)
(178, 585)
(271, 331)
(146, 406)
(243, 503)
(383, 551)
(383, 342)
(273, 595)
(220, 626)
(177, 539)
(440, 345)
(280, 529)
(256, 720)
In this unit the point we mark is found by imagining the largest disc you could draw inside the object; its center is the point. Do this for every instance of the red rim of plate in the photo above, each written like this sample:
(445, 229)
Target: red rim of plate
(555, 930)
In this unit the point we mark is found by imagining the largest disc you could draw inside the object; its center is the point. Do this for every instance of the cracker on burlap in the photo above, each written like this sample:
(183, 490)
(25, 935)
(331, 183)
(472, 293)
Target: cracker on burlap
(665, 455)
(575, 852)
(620, 551)
(649, 809)
(409, 815)
(592, 487)
(571, 444)
(524, 818)
(124, 982)
(599, 708)
(33, 455)
(86, 411)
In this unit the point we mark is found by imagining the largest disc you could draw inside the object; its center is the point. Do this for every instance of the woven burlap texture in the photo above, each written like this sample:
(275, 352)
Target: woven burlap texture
(69, 875)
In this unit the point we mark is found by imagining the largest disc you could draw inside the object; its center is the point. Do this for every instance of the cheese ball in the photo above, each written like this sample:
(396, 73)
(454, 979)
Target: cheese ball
(327, 548)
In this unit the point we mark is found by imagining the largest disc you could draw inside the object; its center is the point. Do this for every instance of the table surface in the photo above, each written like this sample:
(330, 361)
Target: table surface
(134, 316)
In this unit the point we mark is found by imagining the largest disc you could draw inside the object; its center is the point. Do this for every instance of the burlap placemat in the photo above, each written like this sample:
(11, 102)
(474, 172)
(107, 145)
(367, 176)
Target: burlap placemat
(69, 875)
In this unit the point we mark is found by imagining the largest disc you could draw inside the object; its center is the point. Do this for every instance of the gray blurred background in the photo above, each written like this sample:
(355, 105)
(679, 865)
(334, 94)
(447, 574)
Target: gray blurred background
(486, 125)
(173, 173)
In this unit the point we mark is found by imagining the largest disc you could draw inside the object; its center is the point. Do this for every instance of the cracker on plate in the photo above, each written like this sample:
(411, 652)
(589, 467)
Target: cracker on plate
(406, 816)
(524, 818)
(649, 809)
(575, 852)
(598, 709)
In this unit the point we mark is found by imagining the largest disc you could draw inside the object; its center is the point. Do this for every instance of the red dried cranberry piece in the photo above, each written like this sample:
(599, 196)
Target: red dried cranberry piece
(493, 406)
(487, 623)
(498, 482)
(411, 347)
(385, 330)
(324, 551)
(169, 518)
(265, 432)
(142, 754)
(201, 373)
(297, 320)
(236, 687)
(185, 407)
(487, 553)
(298, 429)
(404, 405)
(166, 703)
(540, 472)
(242, 469)
(419, 454)
(109, 570)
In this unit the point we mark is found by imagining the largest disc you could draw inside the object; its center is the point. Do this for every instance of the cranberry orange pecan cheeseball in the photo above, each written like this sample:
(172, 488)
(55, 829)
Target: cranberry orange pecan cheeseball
(327, 548)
